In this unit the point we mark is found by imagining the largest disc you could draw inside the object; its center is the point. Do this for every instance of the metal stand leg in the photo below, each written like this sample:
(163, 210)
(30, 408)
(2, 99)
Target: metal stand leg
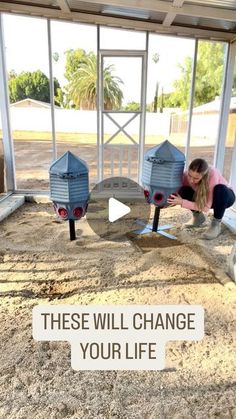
(156, 219)
(72, 229)
(154, 227)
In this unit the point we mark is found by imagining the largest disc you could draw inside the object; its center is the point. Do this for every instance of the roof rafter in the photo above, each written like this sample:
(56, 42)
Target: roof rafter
(167, 7)
(63, 5)
(170, 17)
(119, 22)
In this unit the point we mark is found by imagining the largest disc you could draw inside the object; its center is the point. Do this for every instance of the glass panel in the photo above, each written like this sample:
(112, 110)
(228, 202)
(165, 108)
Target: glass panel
(167, 92)
(231, 131)
(75, 66)
(206, 105)
(28, 71)
(122, 83)
(111, 38)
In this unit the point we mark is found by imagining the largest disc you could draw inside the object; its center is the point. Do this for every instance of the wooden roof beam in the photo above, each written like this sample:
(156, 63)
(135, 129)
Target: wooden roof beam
(63, 6)
(92, 18)
(167, 7)
(170, 17)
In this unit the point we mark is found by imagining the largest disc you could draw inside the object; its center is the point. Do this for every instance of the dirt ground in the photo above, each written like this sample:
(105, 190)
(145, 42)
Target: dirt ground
(39, 264)
(33, 159)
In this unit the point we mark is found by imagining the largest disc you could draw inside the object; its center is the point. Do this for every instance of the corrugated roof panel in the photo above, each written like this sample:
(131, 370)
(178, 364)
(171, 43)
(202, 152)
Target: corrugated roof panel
(85, 6)
(226, 4)
(153, 16)
(157, 16)
(116, 11)
(47, 3)
(194, 15)
(205, 23)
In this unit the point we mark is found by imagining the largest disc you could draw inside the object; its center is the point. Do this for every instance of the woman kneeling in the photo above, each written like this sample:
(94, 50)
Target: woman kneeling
(204, 188)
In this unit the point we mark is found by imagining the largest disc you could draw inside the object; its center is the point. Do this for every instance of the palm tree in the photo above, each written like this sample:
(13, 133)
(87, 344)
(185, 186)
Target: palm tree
(82, 89)
(112, 94)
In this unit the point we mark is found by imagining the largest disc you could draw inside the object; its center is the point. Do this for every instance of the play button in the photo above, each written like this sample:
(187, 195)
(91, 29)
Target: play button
(115, 206)
(116, 210)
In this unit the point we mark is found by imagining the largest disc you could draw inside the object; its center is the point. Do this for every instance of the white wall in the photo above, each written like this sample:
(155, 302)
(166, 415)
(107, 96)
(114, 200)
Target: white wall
(67, 120)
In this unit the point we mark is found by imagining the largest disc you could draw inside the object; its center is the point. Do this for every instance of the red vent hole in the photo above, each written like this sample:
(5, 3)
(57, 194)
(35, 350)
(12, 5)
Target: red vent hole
(78, 212)
(158, 197)
(146, 193)
(62, 212)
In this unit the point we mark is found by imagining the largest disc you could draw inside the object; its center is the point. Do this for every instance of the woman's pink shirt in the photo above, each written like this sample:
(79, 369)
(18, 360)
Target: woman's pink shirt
(215, 178)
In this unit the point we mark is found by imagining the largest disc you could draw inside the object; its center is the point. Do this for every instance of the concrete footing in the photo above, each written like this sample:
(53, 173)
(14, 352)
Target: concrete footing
(230, 219)
(231, 265)
(10, 204)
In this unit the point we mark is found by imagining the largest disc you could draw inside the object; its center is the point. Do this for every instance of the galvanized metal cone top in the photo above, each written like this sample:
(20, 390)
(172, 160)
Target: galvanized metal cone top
(69, 179)
(162, 172)
(165, 152)
(69, 186)
(69, 164)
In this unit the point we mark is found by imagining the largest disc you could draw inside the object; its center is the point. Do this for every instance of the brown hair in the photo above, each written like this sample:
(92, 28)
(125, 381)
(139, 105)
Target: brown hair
(201, 194)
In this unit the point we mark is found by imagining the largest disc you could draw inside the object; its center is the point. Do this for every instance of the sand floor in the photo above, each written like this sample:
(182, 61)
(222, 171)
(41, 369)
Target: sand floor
(39, 264)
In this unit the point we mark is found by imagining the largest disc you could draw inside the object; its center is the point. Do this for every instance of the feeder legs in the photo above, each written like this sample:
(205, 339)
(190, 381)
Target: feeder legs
(156, 219)
(155, 227)
(72, 230)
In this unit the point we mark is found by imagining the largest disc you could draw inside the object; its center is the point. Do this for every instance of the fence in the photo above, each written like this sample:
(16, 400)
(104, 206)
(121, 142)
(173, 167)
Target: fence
(69, 120)
(204, 124)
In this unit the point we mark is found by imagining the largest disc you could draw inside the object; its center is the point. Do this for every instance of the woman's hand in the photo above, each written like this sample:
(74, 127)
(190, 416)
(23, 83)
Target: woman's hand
(175, 199)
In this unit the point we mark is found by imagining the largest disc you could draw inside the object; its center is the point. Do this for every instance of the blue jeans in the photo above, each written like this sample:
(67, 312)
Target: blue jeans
(223, 197)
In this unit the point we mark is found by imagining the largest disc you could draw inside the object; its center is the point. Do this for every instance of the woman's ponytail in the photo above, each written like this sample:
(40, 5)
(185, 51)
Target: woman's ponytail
(201, 194)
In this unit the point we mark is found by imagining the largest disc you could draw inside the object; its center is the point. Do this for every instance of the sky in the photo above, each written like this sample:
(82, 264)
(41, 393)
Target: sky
(26, 50)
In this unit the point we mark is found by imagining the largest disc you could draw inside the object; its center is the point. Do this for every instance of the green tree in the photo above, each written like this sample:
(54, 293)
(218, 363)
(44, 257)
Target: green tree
(169, 100)
(34, 85)
(209, 74)
(81, 72)
(74, 58)
(132, 106)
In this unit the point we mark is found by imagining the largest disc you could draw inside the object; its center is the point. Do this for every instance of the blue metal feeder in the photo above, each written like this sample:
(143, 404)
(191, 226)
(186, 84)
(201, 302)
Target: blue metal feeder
(162, 176)
(69, 188)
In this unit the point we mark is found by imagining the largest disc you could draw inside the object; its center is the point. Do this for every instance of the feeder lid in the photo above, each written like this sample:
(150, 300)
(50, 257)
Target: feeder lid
(69, 164)
(164, 152)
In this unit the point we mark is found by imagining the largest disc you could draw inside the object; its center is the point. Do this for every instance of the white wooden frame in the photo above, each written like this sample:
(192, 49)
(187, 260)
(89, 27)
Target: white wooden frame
(223, 120)
(5, 115)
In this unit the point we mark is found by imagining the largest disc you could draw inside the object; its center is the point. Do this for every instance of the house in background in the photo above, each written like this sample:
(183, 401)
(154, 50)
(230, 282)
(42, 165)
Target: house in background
(32, 103)
(205, 121)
